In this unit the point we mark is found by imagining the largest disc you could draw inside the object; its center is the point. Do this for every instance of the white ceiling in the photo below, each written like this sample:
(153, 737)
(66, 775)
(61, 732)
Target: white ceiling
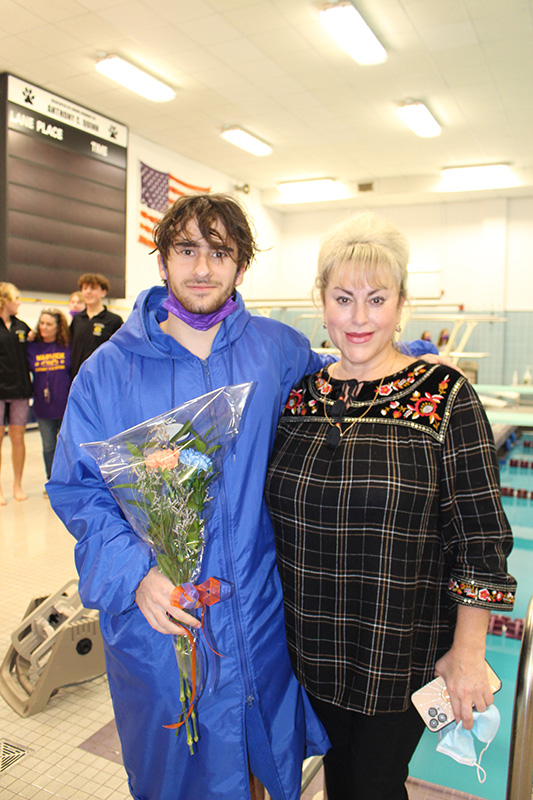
(268, 66)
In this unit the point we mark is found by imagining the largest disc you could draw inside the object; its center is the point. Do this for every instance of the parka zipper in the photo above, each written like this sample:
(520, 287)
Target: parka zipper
(249, 697)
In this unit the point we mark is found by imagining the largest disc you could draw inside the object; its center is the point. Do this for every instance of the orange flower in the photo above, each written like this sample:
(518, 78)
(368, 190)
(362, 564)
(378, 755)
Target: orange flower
(162, 459)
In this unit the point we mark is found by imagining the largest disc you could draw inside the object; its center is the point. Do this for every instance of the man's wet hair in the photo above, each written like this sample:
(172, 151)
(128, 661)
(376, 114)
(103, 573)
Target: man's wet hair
(206, 210)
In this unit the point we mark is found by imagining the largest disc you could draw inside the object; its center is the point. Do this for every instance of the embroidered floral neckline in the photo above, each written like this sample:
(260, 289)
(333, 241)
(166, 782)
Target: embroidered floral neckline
(419, 395)
(323, 385)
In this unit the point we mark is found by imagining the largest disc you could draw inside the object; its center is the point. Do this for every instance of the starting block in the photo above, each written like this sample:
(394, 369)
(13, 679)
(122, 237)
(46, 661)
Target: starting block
(57, 644)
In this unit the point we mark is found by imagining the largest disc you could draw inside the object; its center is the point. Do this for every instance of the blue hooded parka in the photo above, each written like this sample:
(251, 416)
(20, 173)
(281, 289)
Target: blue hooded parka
(255, 711)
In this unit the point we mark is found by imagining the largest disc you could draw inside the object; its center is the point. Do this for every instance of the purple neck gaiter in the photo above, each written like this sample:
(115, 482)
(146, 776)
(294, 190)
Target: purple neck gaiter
(201, 322)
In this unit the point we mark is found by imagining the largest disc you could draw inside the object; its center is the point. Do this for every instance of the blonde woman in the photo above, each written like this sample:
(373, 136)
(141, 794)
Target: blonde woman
(15, 383)
(49, 363)
(390, 533)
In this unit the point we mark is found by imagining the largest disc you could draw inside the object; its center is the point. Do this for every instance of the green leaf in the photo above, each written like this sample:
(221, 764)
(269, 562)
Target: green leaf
(139, 504)
(200, 445)
(164, 563)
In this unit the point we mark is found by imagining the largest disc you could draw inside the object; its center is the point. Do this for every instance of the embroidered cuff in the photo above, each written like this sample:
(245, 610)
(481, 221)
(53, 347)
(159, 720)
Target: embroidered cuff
(482, 595)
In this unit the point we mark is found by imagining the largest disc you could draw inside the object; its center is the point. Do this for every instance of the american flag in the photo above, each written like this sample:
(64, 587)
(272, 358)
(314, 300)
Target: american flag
(158, 191)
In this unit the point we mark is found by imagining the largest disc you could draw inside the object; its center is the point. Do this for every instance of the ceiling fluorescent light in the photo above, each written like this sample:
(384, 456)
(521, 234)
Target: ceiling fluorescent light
(350, 31)
(417, 117)
(490, 176)
(134, 79)
(312, 191)
(246, 141)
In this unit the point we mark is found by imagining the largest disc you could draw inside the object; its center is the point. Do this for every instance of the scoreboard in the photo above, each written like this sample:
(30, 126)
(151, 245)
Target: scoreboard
(62, 191)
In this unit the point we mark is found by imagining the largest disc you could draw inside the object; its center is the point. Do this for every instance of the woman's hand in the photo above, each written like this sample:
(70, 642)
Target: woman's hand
(153, 598)
(433, 358)
(465, 675)
(464, 668)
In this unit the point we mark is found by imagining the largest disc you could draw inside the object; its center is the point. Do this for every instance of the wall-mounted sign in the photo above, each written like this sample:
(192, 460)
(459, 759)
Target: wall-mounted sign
(63, 171)
(40, 113)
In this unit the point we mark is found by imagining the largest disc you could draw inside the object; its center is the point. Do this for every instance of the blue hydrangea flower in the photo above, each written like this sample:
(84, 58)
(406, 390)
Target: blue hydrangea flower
(192, 458)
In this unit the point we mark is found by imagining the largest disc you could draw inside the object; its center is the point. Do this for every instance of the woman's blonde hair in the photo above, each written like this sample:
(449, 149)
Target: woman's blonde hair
(375, 249)
(7, 293)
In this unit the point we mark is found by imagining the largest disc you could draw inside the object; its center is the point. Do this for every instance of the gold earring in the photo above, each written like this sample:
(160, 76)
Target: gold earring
(398, 328)
(324, 323)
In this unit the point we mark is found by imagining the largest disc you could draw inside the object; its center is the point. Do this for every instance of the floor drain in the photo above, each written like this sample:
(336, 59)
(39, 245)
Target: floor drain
(9, 754)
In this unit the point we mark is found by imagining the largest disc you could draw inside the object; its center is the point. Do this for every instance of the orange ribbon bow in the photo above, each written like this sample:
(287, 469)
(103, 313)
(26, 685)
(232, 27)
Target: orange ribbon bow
(192, 596)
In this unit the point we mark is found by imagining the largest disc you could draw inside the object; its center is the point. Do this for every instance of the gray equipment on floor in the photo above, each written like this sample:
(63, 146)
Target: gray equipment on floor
(57, 644)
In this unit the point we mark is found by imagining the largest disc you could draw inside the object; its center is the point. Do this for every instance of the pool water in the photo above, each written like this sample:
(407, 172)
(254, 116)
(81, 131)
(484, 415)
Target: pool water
(502, 652)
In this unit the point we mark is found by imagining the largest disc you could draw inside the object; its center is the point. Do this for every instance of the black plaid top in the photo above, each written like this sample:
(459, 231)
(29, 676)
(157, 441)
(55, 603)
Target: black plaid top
(379, 537)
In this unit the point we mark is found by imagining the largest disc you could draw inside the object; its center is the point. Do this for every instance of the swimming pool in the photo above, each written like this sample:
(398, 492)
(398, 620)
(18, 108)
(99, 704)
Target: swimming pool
(502, 652)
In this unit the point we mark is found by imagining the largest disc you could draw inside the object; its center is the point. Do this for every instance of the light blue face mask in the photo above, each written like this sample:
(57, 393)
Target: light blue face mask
(458, 743)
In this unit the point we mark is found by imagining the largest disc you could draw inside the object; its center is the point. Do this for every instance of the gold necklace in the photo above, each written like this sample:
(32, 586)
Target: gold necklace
(335, 435)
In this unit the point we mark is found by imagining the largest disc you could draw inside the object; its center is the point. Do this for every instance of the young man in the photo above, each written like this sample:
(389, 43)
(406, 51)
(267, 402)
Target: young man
(95, 325)
(177, 344)
(257, 719)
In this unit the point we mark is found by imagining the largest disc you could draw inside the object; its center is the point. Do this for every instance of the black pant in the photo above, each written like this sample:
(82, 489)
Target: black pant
(369, 756)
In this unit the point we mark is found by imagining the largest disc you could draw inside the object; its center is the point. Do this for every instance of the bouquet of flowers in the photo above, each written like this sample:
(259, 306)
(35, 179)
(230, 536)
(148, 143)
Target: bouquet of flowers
(163, 475)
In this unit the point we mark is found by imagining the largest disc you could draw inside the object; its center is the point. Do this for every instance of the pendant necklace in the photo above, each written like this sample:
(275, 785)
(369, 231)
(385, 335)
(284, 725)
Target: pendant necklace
(335, 432)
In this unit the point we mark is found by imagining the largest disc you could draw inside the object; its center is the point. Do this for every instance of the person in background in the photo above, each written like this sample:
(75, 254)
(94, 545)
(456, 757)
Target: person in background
(383, 489)
(49, 362)
(93, 326)
(444, 335)
(426, 336)
(15, 383)
(75, 304)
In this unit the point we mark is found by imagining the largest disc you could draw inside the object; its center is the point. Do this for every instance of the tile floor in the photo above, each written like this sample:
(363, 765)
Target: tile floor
(36, 555)
(69, 750)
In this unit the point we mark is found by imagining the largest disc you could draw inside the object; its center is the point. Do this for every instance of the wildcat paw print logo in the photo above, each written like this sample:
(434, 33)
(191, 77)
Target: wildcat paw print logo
(28, 95)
